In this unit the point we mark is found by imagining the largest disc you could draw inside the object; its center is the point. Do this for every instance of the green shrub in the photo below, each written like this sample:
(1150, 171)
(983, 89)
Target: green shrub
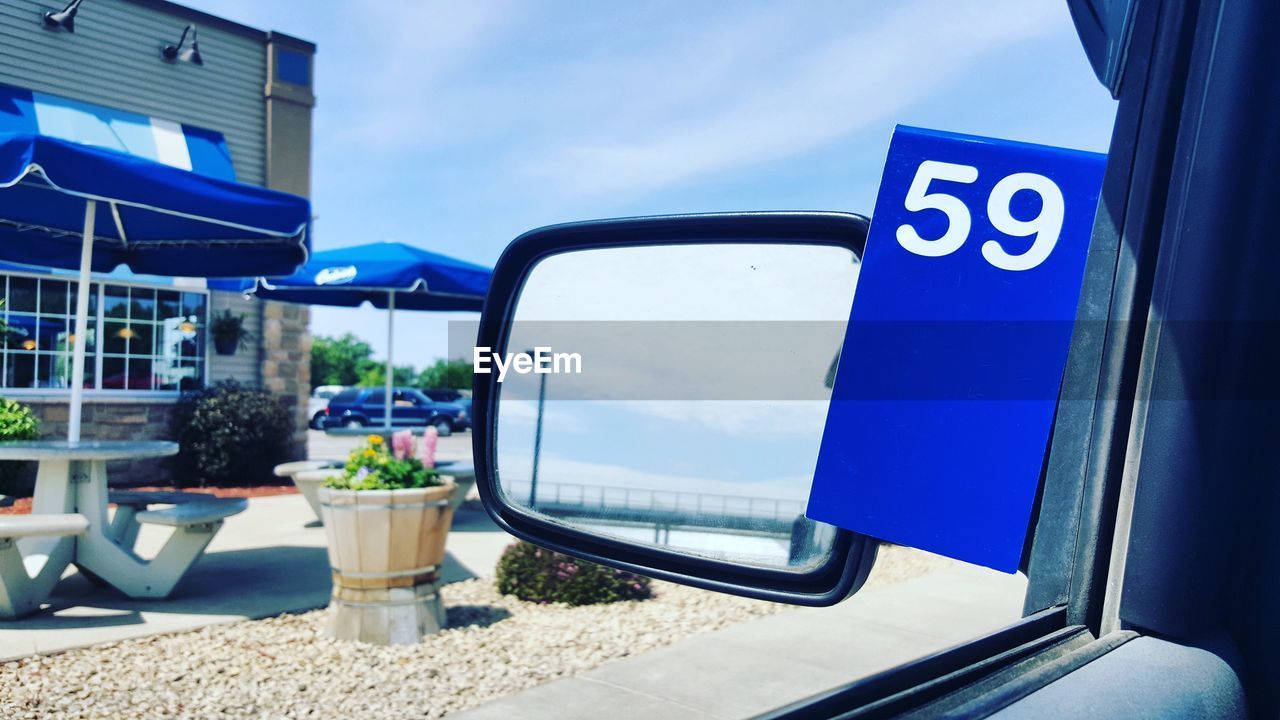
(539, 575)
(230, 435)
(17, 422)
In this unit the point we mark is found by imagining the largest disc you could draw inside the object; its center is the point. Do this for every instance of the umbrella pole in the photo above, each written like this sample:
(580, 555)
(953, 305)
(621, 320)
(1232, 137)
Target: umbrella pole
(391, 339)
(82, 323)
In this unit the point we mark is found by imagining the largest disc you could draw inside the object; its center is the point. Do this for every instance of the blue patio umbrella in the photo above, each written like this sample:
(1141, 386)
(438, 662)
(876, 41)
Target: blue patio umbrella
(388, 275)
(68, 205)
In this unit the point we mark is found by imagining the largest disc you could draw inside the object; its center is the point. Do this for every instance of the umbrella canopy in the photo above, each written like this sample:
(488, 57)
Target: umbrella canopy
(388, 275)
(68, 205)
(373, 273)
(155, 218)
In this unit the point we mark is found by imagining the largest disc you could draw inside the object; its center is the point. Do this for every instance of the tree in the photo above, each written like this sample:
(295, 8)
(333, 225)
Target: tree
(453, 374)
(338, 361)
(374, 374)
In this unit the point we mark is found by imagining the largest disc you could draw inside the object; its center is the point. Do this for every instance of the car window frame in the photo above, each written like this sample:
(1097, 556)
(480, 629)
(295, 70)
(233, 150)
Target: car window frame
(1073, 545)
(1072, 539)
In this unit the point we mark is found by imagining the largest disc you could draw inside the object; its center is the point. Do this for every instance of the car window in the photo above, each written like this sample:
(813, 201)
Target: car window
(603, 461)
(518, 115)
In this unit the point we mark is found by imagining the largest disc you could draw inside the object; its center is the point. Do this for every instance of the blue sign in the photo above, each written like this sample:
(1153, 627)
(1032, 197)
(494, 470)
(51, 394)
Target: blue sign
(956, 344)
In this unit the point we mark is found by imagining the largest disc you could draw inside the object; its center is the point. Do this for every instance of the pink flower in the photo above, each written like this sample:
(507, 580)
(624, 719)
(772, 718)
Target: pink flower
(402, 444)
(430, 437)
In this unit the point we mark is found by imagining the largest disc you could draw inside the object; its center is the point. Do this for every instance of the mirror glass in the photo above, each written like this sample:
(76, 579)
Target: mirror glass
(675, 395)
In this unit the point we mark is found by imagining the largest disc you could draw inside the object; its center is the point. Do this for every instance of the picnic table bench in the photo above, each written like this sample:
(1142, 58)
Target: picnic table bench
(69, 524)
(26, 581)
(188, 510)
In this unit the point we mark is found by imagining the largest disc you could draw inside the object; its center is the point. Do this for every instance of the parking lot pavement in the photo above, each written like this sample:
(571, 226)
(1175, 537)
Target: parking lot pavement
(762, 664)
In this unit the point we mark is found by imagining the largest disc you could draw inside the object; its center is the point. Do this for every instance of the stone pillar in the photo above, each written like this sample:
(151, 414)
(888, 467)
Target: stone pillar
(290, 100)
(286, 363)
(286, 337)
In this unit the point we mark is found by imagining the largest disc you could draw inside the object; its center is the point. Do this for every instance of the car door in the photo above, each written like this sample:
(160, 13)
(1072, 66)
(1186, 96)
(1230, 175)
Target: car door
(408, 409)
(1155, 533)
(1151, 560)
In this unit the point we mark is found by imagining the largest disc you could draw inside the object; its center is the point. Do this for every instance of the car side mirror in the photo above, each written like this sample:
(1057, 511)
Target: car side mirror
(650, 394)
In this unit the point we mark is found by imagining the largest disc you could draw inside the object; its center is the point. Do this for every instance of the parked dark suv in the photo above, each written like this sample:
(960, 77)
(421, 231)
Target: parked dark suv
(364, 407)
(448, 395)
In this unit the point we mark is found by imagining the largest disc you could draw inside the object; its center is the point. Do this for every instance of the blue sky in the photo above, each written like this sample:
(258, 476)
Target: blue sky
(457, 126)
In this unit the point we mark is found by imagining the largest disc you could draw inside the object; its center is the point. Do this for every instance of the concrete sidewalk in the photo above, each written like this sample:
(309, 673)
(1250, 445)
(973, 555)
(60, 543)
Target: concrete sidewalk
(268, 560)
(762, 664)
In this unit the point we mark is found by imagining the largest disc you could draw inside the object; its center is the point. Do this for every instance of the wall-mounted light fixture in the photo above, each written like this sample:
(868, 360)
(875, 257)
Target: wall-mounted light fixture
(64, 19)
(183, 52)
(28, 344)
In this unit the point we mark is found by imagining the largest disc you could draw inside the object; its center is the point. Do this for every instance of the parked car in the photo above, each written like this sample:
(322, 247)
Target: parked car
(319, 400)
(365, 407)
(465, 404)
(448, 395)
(453, 397)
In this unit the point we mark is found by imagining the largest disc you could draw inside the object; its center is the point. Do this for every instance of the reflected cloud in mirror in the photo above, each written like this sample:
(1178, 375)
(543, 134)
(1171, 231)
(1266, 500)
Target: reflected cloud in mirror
(695, 422)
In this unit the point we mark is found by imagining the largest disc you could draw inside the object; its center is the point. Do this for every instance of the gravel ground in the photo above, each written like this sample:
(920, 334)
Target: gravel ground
(282, 668)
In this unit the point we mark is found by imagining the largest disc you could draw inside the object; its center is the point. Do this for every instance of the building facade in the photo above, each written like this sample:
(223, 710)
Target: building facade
(251, 94)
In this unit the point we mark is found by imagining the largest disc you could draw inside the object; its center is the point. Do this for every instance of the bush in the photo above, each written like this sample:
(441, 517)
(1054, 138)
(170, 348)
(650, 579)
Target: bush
(539, 575)
(17, 422)
(230, 435)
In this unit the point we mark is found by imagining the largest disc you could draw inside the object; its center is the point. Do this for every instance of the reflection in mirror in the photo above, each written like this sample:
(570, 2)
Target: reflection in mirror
(688, 400)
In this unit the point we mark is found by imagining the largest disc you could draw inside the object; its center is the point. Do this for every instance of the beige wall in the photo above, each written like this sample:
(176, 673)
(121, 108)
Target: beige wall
(245, 366)
(112, 60)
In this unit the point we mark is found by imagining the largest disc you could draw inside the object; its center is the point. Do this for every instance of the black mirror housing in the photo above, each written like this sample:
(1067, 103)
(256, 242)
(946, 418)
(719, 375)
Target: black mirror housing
(849, 562)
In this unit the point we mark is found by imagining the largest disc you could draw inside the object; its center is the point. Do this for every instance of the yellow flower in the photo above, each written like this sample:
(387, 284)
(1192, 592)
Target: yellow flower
(370, 454)
(376, 440)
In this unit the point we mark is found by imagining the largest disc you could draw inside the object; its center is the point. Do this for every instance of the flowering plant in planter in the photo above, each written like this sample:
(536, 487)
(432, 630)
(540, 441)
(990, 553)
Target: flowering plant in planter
(386, 517)
(375, 466)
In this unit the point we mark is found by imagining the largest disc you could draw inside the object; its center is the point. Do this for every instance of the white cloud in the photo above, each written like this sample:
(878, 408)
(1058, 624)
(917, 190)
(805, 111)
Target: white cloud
(571, 475)
(603, 110)
(391, 81)
(579, 102)
(760, 107)
(802, 419)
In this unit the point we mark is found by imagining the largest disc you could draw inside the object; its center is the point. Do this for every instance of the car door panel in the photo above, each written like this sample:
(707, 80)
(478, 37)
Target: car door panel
(1144, 678)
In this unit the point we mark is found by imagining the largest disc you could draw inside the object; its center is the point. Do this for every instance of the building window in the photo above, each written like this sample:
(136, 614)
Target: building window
(293, 67)
(152, 339)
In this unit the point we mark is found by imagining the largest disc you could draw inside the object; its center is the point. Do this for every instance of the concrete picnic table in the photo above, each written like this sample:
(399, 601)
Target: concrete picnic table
(69, 524)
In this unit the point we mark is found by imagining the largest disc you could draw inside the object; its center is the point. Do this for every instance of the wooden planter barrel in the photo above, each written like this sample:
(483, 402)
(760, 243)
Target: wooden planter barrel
(386, 548)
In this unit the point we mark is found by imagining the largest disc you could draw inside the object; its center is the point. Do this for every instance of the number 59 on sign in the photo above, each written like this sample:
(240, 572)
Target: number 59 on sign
(956, 344)
(1045, 226)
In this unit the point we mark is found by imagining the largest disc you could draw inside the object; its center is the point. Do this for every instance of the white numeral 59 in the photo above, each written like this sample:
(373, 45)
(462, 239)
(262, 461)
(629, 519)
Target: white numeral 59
(1046, 226)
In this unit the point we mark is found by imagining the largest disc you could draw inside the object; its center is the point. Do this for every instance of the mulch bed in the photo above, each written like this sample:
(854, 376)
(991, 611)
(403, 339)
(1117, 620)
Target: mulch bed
(22, 506)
